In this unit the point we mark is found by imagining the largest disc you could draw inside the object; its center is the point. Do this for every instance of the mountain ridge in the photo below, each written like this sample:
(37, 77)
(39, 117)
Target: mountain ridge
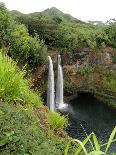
(55, 12)
(52, 12)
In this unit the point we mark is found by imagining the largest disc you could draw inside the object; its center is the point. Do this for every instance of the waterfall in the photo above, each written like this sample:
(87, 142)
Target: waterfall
(59, 85)
(50, 92)
(59, 60)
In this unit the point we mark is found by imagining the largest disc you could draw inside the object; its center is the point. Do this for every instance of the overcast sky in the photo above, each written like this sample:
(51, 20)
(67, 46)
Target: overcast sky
(85, 10)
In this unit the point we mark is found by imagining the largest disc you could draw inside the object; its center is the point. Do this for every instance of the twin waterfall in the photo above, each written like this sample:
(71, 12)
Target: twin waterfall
(55, 102)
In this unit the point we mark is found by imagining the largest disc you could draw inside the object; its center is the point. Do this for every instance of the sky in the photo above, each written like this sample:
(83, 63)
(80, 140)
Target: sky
(100, 10)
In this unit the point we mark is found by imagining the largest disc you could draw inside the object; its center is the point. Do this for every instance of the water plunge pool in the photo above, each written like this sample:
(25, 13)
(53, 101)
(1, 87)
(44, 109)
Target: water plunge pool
(86, 115)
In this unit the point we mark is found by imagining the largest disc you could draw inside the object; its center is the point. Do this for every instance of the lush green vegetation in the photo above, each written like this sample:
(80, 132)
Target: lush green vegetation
(56, 29)
(56, 121)
(13, 86)
(65, 32)
(22, 133)
(16, 42)
(23, 128)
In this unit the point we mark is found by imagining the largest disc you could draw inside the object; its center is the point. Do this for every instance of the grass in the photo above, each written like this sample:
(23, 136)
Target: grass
(96, 148)
(13, 86)
(57, 121)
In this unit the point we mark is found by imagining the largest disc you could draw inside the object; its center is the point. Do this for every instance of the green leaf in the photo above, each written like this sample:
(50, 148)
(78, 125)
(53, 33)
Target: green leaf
(82, 146)
(1, 113)
(96, 153)
(4, 141)
(107, 143)
(97, 145)
(110, 139)
(84, 142)
(7, 138)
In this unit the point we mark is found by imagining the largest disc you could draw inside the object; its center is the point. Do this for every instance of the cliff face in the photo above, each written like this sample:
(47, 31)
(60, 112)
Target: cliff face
(89, 57)
(98, 81)
(94, 72)
(87, 71)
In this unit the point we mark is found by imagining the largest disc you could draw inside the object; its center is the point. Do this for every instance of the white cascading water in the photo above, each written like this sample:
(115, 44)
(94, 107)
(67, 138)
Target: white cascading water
(50, 92)
(59, 85)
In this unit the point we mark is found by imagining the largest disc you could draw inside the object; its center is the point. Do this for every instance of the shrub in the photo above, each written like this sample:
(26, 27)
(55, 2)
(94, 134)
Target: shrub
(69, 88)
(5, 21)
(21, 133)
(85, 70)
(57, 121)
(109, 80)
(25, 49)
(16, 42)
(13, 86)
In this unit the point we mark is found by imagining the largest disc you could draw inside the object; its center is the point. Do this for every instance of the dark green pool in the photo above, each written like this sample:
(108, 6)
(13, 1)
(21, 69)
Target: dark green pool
(87, 114)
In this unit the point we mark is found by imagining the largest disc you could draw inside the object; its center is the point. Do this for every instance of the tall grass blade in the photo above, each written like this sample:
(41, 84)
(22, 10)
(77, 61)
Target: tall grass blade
(110, 139)
(82, 146)
(87, 136)
(97, 145)
(79, 149)
(107, 143)
(96, 153)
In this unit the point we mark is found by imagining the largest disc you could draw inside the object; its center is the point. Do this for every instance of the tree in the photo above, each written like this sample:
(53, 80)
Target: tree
(16, 42)
(5, 21)
(111, 32)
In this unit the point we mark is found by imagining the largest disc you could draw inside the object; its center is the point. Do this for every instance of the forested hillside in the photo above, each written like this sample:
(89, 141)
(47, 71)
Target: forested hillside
(16, 42)
(63, 31)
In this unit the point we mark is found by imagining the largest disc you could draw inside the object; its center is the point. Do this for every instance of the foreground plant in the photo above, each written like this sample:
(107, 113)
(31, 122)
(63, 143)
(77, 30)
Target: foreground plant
(95, 146)
(57, 121)
(13, 86)
(21, 133)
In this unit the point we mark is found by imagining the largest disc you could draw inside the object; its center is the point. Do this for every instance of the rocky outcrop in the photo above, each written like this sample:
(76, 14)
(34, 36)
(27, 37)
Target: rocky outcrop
(97, 81)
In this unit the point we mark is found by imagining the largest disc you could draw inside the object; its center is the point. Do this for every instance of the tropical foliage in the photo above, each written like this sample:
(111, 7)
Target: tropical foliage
(13, 86)
(22, 133)
(63, 31)
(16, 42)
(57, 121)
